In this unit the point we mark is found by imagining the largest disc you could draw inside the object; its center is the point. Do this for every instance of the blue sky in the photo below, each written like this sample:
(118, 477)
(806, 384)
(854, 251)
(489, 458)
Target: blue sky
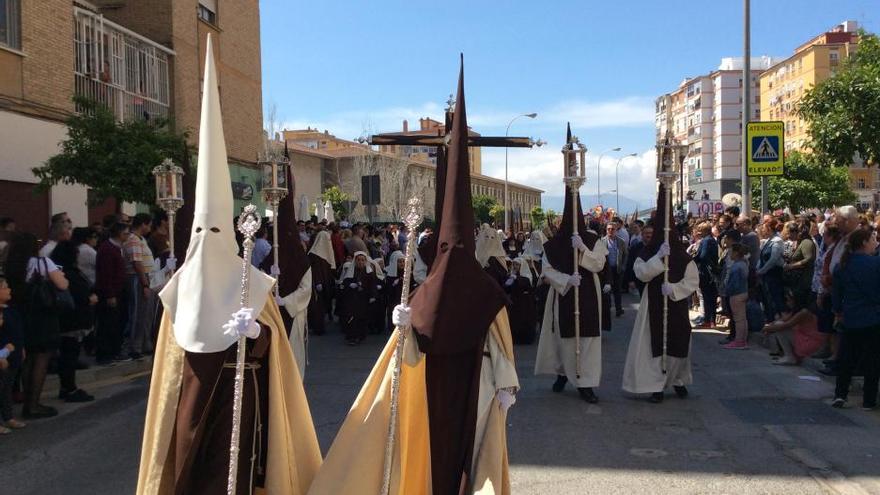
(361, 67)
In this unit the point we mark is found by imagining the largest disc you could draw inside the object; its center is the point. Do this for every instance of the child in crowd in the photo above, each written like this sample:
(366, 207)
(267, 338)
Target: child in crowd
(11, 355)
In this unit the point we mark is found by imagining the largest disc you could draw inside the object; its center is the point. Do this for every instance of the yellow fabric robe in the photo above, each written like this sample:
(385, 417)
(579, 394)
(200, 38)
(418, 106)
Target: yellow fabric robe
(294, 455)
(356, 459)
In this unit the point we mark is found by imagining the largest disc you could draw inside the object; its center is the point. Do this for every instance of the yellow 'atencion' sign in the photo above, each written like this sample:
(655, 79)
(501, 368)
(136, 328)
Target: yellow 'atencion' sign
(766, 148)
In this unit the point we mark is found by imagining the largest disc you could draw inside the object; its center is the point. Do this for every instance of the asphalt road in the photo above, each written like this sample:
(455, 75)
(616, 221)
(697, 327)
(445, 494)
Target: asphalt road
(747, 428)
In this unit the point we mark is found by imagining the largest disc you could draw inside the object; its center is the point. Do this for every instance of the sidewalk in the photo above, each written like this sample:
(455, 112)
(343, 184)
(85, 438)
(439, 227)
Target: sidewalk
(96, 377)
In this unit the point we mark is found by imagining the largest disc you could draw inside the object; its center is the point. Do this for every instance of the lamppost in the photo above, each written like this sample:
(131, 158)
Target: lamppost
(617, 179)
(169, 193)
(274, 172)
(599, 173)
(506, 134)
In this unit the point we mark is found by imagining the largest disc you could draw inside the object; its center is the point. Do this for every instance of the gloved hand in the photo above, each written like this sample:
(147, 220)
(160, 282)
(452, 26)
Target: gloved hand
(505, 399)
(319, 287)
(372, 300)
(666, 289)
(510, 280)
(4, 353)
(664, 250)
(242, 324)
(275, 270)
(574, 280)
(400, 316)
(171, 264)
(396, 282)
(378, 286)
(578, 243)
(354, 285)
(279, 301)
(606, 288)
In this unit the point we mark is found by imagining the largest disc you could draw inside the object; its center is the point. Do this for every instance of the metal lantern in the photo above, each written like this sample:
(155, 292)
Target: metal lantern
(274, 173)
(575, 160)
(169, 193)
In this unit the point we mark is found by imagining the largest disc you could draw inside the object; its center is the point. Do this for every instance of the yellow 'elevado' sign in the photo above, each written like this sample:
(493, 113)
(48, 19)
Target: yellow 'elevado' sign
(766, 148)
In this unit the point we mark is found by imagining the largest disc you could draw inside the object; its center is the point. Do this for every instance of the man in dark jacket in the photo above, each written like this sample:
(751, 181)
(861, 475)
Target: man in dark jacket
(109, 285)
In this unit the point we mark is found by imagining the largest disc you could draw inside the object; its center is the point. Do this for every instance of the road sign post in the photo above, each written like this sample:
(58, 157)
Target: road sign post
(766, 153)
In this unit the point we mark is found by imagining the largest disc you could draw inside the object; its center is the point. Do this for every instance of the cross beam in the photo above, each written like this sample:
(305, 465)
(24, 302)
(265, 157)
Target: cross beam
(442, 140)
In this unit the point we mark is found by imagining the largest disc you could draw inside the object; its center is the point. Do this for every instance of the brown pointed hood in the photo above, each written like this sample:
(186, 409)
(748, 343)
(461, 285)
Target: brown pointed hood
(453, 308)
(292, 260)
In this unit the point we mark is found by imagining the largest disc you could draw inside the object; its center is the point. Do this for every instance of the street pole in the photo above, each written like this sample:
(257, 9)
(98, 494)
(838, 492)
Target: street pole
(747, 94)
(506, 197)
(599, 174)
(617, 180)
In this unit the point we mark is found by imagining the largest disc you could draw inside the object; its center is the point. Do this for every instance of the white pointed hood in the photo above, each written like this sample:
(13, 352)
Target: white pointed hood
(303, 211)
(489, 246)
(329, 214)
(323, 247)
(319, 210)
(201, 297)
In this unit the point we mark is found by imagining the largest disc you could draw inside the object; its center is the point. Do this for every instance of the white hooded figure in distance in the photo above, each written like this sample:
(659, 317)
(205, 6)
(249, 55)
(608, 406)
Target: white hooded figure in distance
(188, 427)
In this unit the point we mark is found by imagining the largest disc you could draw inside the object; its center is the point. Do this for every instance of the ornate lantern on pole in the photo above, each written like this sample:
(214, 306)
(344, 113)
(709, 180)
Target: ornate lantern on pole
(575, 175)
(670, 156)
(274, 173)
(169, 193)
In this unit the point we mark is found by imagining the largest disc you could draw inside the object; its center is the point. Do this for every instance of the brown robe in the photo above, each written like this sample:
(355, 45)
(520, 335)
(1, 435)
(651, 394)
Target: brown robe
(204, 420)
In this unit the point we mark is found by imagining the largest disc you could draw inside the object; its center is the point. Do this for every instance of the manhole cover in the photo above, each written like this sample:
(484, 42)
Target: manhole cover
(774, 411)
(648, 453)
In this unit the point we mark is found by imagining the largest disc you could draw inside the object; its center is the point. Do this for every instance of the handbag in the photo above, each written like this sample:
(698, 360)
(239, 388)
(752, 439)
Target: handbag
(45, 296)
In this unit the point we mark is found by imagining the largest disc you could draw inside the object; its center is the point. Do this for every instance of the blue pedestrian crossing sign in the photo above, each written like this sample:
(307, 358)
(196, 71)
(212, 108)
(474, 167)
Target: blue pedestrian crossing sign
(766, 153)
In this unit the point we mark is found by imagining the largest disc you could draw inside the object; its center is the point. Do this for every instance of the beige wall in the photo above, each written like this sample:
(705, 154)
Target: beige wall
(28, 142)
(307, 176)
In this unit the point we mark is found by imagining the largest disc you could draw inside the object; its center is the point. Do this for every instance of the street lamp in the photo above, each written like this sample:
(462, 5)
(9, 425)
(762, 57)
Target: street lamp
(506, 134)
(599, 173)
(617, 179)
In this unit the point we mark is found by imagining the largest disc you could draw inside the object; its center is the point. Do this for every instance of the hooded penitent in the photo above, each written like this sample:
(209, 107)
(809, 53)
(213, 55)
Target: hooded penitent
(428, 249)
(292, 260)
(323, 248)
(206, 289)
(678, 327)
(489, 246)
(451, 315)
(560, 254)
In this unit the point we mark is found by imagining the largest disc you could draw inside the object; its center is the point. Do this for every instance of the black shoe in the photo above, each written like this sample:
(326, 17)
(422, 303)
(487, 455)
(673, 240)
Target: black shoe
(82, 365)
(838, 403)
(78, 395)
(619, 313)
(726, 340)
(656, 398)
(587, 394)
(681, 392)
(121, 359)
(351, 342)
(560, 382)
(828, 371)
(39, 411)
(775, 354)
(136, 356)
(104, 362)
(830, 363)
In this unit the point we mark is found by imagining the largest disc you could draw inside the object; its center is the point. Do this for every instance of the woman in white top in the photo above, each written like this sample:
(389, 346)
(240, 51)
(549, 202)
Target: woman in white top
(86, 239)
(43, 334)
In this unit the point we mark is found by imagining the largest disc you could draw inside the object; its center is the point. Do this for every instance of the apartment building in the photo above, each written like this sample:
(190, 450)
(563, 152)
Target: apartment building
(786, 82)
(705, 113)
(143, 60)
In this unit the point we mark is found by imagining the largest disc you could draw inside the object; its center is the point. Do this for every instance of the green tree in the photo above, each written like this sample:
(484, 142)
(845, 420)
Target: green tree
(497, 213)
(806, 183)
(483, 205)
(550, 215)
(843, 112)
(114, 159)
(537, 217)
(337, 198)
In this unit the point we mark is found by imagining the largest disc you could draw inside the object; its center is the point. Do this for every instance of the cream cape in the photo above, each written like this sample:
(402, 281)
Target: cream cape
(356, 458)
(297, 304)
(294, 456)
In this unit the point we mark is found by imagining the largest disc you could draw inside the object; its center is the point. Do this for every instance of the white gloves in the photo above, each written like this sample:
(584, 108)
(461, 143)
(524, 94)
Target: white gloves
(505, 399)
(171, 264)
(372, 300)
(664, 250)
(574, 280)
(578, 243)
(401, 316)
(510, 281)
(606, 289)
(279, 301)
(396, 282)
(242, 324)
(275, 270)
(354, 285)
(378, 286)
(666, 289)
(319, 287)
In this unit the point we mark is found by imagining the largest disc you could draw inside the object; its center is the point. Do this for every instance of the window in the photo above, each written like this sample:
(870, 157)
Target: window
(208, 11)
(860, 183)
(10, 23)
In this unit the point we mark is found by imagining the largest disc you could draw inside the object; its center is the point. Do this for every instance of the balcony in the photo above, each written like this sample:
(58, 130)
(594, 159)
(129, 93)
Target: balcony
(120, 69)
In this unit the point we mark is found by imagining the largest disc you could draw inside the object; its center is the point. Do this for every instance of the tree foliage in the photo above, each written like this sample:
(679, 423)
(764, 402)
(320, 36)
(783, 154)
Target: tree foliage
(497, 213)
(806, 183)
(114, 159)
(337, 198)
(550, 215)
(843, 112)
(537, 216)
(483, 205)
